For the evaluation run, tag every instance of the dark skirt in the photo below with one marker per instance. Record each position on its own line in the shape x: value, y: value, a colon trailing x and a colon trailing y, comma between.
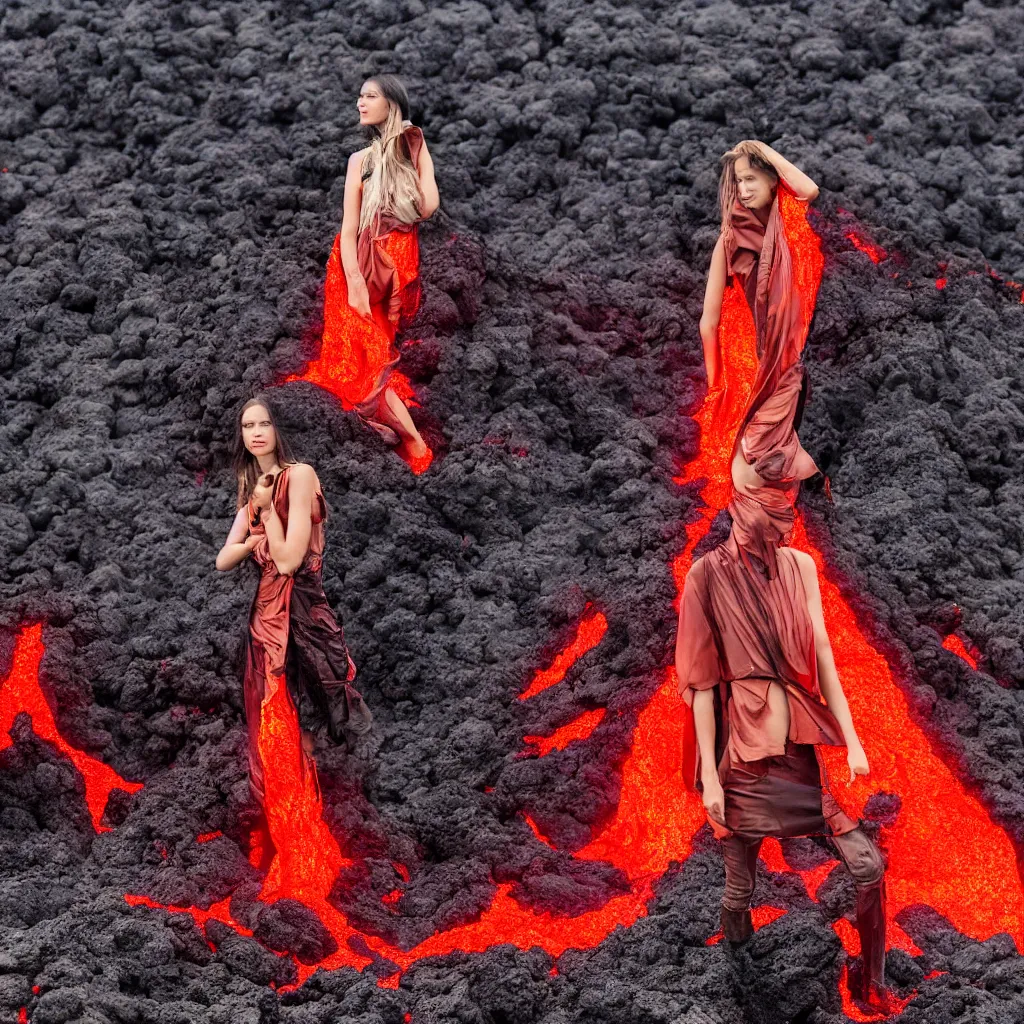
x: 782, y: 796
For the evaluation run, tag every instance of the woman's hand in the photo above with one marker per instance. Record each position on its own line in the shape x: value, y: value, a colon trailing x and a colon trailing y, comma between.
x: 857, y: 760
x: 358, y: 295
x: 714, y: 797
x: 263, y: 492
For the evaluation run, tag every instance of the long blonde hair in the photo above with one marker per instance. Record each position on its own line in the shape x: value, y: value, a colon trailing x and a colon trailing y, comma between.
x: 392, y: 187
x: 728, y: 194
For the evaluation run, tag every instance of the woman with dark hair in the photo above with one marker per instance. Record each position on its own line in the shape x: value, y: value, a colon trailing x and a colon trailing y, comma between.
x: 372, y: 285
x: 294, y: 637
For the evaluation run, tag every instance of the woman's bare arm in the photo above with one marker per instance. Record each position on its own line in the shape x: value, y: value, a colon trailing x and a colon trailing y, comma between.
x: 239, y: 544
x: 714, y: 293
x: 358, y: 296
x: 704, y: 725
x: 802, y: 185
x: 289, y: 550
x: 428, y: 184
x: 828, y: 677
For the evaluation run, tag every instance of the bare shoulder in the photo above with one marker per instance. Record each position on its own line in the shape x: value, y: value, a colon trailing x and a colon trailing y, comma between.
x: 355, y: 161
x: 303, y: 474
x: 804, y: 562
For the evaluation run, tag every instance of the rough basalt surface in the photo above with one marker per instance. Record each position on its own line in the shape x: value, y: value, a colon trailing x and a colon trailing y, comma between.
x: 172, y: 185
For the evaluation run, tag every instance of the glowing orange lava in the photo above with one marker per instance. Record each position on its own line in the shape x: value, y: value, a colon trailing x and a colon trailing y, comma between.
x: 578, y: 729
x: 355, y: 349
x: 589, y: 634
x: 874, y: 252
x: 20, y: 692
x: 956, y: 646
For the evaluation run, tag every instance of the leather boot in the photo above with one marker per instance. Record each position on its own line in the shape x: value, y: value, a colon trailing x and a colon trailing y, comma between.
x: 737, y: 926
x: 871, y: 927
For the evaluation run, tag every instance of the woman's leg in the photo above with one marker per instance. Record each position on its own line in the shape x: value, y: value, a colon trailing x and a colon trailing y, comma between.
x: 864, y: 862
x: 393, y: 412
x: 740, y: 856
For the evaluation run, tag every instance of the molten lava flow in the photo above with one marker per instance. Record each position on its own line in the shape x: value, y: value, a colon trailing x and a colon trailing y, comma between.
x: 944, y: 849
x: 220, y: 911
x: 356, y: 349
x: 20, y: 691
x: 578, y: 729
x: 589, y: 634
x: 955, y: 645
x: 205, y: 837
x: 874, y: 252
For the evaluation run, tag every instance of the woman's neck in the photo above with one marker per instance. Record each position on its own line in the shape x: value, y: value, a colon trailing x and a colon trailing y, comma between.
x: 268, y: 463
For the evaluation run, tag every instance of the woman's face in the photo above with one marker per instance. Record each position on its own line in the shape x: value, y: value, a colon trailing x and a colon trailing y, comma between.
x: 258, y: 431
x: 373, y: 105
x: 756, y: 189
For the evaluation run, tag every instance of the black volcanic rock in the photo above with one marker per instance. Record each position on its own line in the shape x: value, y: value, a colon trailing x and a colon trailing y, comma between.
x: 171, y: 185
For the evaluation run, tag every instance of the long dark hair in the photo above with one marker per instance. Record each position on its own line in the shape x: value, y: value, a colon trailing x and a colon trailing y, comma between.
x: 244, y: 463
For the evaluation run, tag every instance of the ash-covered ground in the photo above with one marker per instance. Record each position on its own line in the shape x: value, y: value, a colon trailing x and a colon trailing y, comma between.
x: 173, y: 184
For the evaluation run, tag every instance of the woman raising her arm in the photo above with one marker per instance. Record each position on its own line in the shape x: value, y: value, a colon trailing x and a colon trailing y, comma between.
x: 748, y: 196
x: 294, y: 637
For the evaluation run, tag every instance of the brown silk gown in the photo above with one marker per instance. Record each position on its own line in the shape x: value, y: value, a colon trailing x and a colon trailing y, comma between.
x: 758, y: 256
x: 294, y: 637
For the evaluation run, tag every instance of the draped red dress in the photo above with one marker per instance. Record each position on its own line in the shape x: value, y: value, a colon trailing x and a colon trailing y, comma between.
x: 744, y: 622
x: 358, y: 355
x: 294, y: 638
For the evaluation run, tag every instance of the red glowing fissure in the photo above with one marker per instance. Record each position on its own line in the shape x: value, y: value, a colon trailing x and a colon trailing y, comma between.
x: 21, y: 692
x: 944, y: 850
x: 578, y: 729
x: 955, y: 645
x: 589, y: 633
x: 860, y: 241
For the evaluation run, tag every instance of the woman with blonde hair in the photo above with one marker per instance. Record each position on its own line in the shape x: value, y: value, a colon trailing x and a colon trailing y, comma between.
x: 372, y: 285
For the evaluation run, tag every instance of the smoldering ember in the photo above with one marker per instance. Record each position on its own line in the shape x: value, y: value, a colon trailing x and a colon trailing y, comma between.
x: 514, y: 840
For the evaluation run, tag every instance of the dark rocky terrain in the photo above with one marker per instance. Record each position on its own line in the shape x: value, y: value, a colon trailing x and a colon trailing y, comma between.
x: 172, y: 185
